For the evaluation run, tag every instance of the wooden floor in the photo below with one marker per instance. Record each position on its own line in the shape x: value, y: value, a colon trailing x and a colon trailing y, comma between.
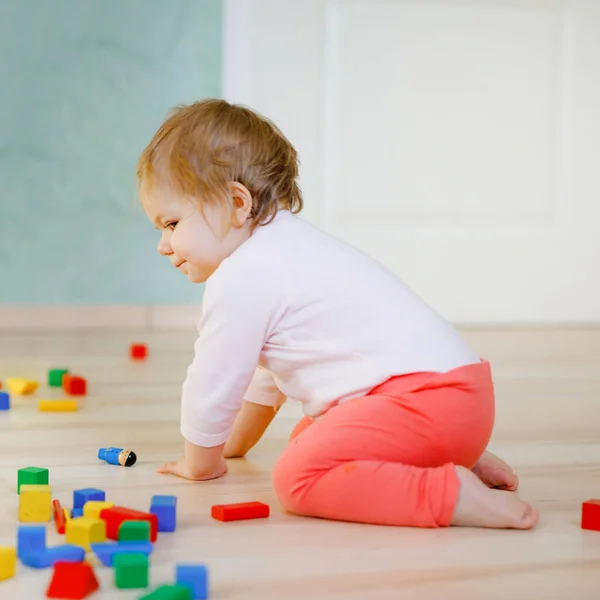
x: 548, y: 427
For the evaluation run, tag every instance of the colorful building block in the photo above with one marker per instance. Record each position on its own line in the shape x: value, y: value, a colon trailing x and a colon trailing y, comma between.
x: 82, y: 531
x: 107, y: 550
x: 134, y: 531
x: 195, y: 577
x: 59, y: 517
x: 35, y: 503
x: 138, y: 351
x: 169, y: 592
x: 8, y: 562
x: 77, y: 512
x: 4, y: 401
x: 74, y: 385
x: 72, y: 580
x: 68, y: 517
x: 30, y: 538
x: 590, y: 515
x: 55, y: 377
x: 131, y: 570
x: 32, y: 476
x: 41, y: 559
x: 21, y: 387
x: 93, y: 508
x: 240, y: 511
x: 116, y: 515
x: 57, y: 405
x: 165, y: 509
x: 80, y: 497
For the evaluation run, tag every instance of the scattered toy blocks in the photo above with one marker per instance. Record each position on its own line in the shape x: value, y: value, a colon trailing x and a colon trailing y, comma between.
x: 21, y: 387
x: 170, y: 592
x: 59, y: 517
x: 93, y: 508
x: 35, y: 503
x: 74, y: 385
x: 590, y: 515
x: 72, y: 580
x: 41, y: 559
x: 8, y: 562
x: 32, y: 476
x: 138, y: 351
x: 57, y: 405
x: 131, y: 570
x: 4, y: 401
x: 106, y: 551
x: 240, y: 511
x: 30, y: 538
x: 80, y: 497
x: 134, y: 531
x: 165, y: 509
x: 116, y: 515
x: 82, y: 531
x: 55, y: 377
x: 195, y: 577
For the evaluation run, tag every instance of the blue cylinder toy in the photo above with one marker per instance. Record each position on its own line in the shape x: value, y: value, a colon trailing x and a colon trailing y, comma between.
x: 117, y: 456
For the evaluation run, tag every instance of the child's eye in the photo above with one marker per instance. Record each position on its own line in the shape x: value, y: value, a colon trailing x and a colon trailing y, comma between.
x: 171, y: 225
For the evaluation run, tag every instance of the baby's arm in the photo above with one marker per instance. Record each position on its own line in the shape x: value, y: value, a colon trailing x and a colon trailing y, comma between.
x: 250, y: 424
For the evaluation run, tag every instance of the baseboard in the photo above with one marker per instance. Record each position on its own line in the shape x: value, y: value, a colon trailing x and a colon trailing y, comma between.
x: 98, y: 317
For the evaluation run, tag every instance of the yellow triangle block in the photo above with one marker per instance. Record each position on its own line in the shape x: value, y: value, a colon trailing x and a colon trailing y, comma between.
x: 20, y: 386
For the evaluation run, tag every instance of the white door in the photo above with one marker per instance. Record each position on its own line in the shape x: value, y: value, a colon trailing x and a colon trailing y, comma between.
x: 456, y: 141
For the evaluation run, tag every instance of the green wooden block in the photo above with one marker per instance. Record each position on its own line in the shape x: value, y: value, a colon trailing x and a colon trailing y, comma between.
x: 134, y: 531
x: 31, y: 476
x: 131, y: 570
x: 169, y: 592
x: 55, y: 377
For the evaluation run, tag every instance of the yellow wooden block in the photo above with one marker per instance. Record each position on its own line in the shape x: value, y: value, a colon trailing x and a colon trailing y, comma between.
x: 8, y: 562
x: 21, y: 387
x: 35, y: 503
x: 92, y: 508
x: 68, y: 517
x: 57, y: 405
x: 84, y: 531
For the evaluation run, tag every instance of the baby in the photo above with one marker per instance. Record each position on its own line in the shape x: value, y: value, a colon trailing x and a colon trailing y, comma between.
x: 398, y: 409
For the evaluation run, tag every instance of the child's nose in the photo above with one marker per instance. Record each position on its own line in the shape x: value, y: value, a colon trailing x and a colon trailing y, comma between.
x: 164, y: 247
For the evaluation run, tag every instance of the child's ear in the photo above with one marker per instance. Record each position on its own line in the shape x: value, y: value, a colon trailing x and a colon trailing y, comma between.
x: 242, y: 203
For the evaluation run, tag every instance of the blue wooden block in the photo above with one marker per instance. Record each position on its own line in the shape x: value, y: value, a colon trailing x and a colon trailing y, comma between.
x: 77, y: 512
x: 41, y: 559
x: 195, y: 577
x: 165, y: 509
x: 30, y: 538
x: 105, y: 551
x: 80, y: 497
x: 4, y: 401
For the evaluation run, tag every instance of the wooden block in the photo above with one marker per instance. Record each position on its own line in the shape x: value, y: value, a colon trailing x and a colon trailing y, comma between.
x: 116, y: 515
x: 21, y: 387
x: 84, y: 532
x: 72, y: 580
x: 32, y: 476
x: 8, y: 562
x: 57, y: 405
x: 59, y: 517
x: 138, y: 351
x: 55, y: 377
x: 35, y: 503
x: 590, y: 515
x: 93, y: 508
x: 74, y: 385
x: 240, y: 512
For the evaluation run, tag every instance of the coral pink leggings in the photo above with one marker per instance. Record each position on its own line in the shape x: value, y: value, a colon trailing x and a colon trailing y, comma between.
x: 388, y: 458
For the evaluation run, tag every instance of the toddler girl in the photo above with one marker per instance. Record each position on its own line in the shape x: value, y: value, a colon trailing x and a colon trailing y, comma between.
x: 399, y: 409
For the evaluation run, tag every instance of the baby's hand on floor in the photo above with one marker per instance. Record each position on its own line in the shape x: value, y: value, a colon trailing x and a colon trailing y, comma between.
x: 495, y: 473
x: 197, y: 464
x: 181, y: 469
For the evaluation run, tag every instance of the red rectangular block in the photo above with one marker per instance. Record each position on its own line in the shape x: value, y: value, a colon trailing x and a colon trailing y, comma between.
x: 590, y: 515
x: 240, y: 512
x: 117, y: 514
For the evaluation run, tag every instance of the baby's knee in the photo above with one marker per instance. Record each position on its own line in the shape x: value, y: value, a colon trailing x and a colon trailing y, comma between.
x: 288, y: 486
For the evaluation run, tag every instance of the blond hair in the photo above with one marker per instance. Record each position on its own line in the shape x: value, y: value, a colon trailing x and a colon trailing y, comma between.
x: 203, y: 146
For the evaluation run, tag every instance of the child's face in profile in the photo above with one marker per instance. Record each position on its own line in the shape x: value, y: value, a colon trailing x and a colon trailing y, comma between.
x: 196, y: 241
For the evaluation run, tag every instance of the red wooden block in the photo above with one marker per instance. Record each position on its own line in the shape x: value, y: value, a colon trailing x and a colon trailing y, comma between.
x: 59, y: 516
x: 240, y: 512
x: 138, y: 351
x: 72, y: 580
x: 590, y: 515
x: 117, y: 514
x: 73, y: 385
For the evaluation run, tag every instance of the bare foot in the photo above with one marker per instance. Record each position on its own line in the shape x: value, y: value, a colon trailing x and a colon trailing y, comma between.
x: 480, y: 506
x: 495, y: 473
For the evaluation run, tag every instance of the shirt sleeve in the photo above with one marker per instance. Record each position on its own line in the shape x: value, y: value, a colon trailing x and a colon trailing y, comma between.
x: 264, y: 390
x: 240, y: 308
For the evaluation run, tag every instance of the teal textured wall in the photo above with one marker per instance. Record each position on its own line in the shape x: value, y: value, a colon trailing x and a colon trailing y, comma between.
x: 85, y: 83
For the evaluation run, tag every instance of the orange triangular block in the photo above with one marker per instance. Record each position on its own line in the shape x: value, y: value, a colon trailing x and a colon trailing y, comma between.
x: 72, y: 581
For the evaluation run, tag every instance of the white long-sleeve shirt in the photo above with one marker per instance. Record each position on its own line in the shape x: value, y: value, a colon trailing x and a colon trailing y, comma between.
x: 295, y: 312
